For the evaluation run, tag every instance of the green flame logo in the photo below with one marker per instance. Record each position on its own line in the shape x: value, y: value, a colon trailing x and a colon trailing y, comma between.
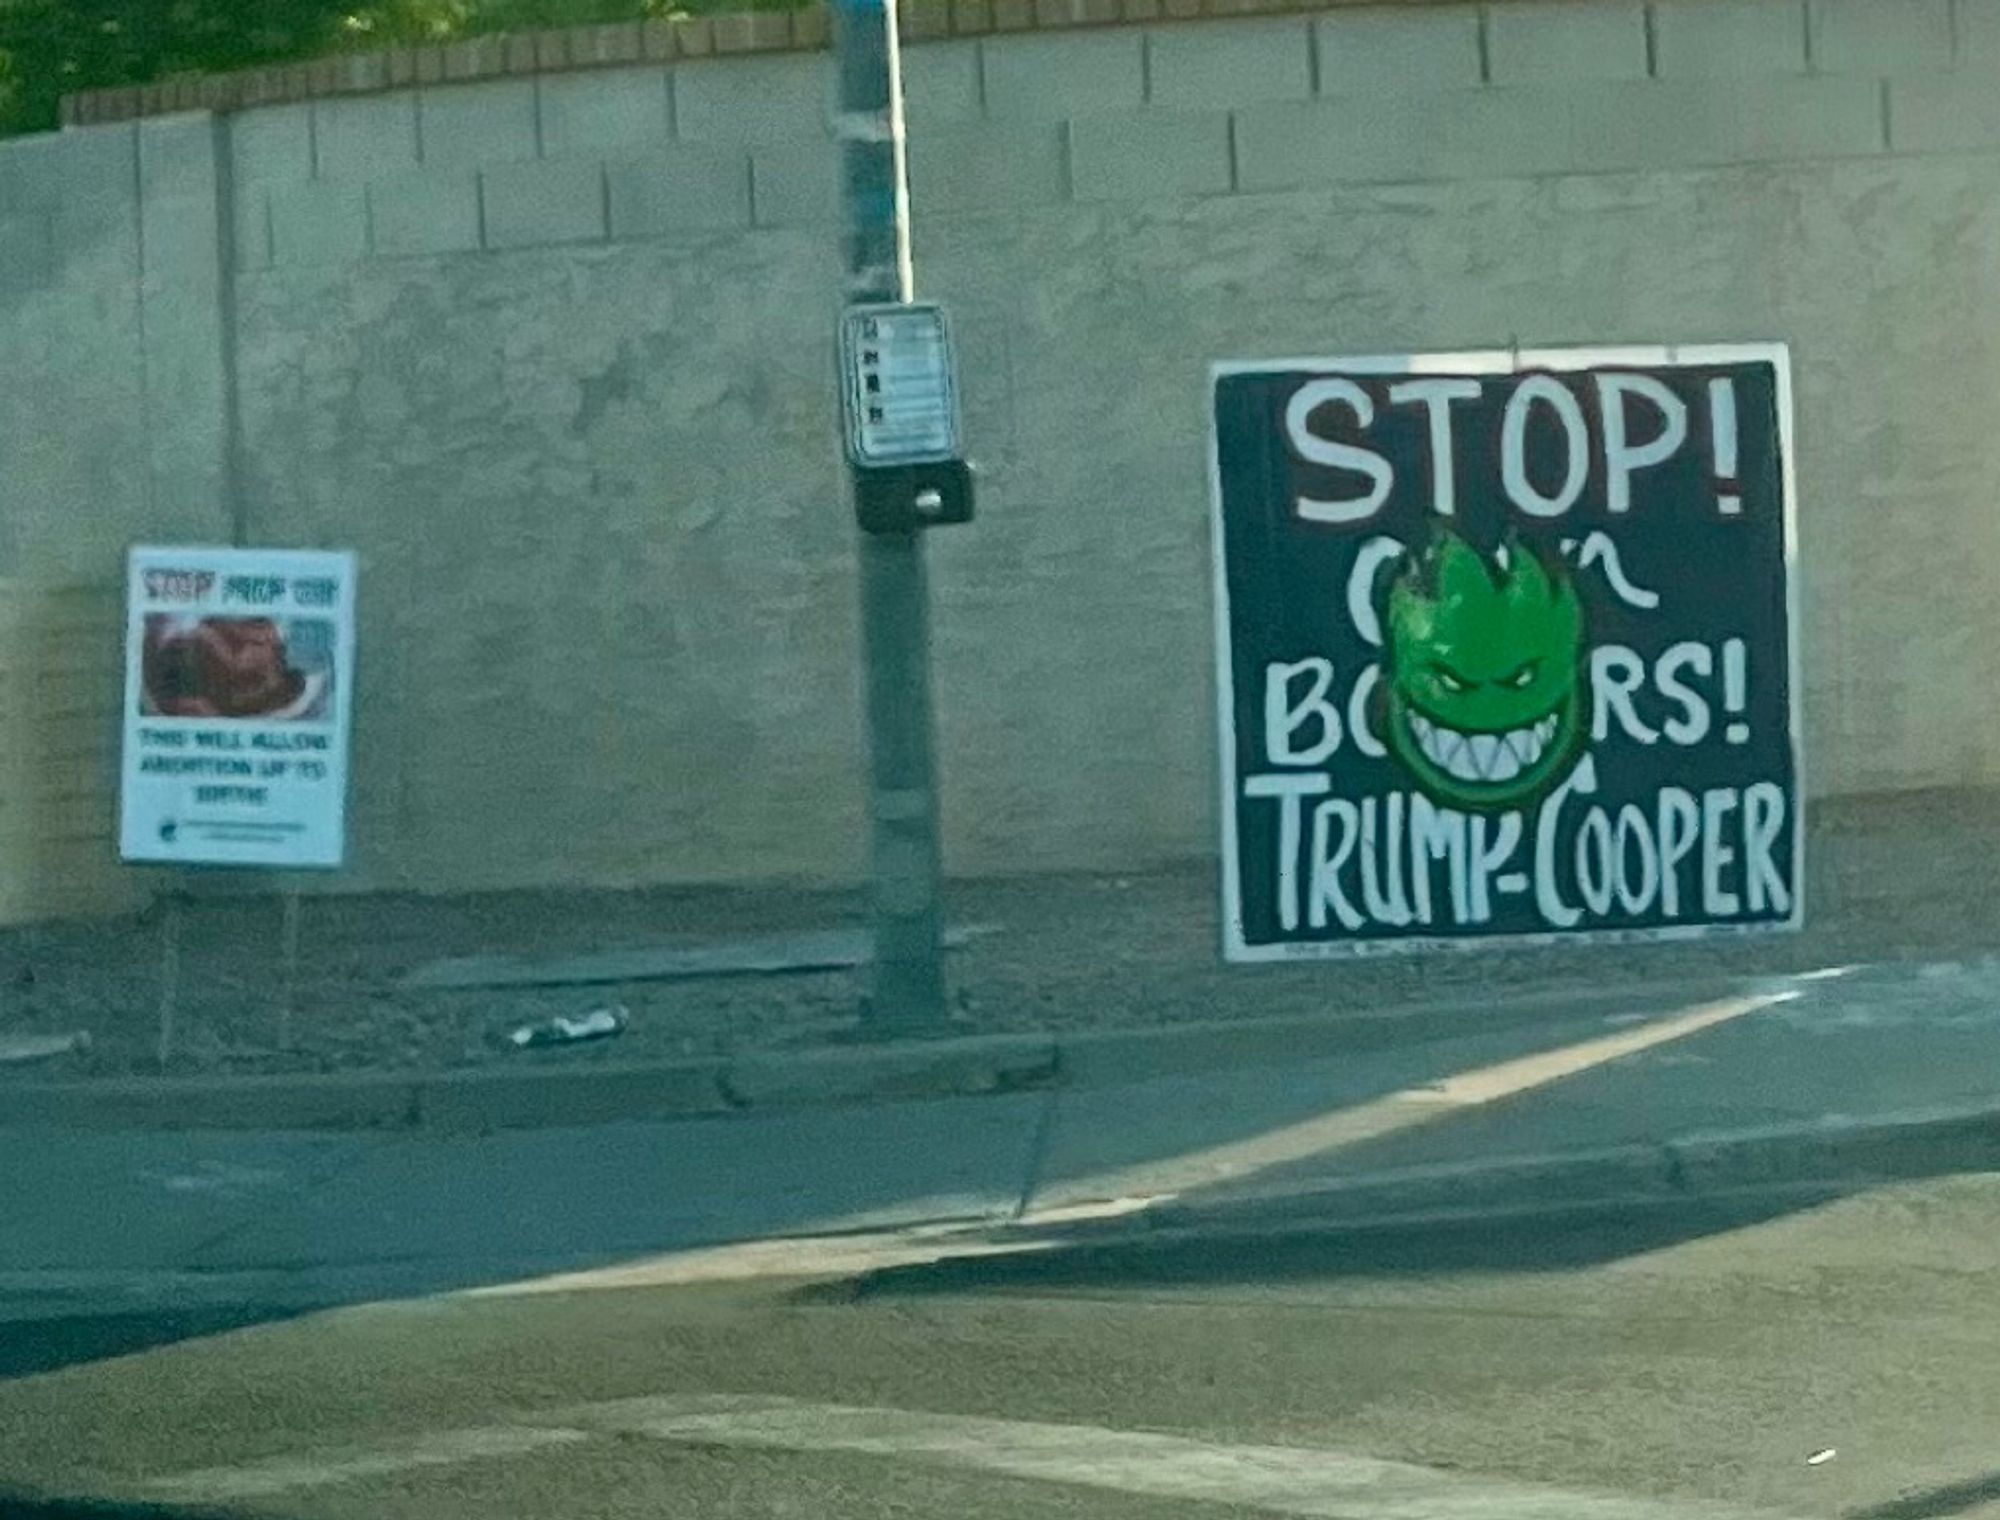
x: 1486, y: 683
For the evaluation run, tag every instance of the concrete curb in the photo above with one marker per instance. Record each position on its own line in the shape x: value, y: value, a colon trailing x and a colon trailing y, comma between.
x: 1830, y: 1153
x: 536, y: 1094
x: 538, y: 1097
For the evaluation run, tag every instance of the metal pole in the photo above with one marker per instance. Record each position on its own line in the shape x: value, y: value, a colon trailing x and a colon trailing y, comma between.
x: 288, y: 989
x: 170, y: 975
x: 908, y: 989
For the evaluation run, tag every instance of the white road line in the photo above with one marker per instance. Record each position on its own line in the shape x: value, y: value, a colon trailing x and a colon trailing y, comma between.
x: 279, y: 1475
x: 1282, y: 1480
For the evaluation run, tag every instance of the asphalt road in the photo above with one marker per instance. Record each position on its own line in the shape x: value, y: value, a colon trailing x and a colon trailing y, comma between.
x: 1639, y: 1367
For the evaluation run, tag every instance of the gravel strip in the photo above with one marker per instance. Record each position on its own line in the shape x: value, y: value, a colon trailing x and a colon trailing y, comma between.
x: 1908, y: 877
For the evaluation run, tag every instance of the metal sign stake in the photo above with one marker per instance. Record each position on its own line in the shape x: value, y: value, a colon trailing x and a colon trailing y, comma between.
x: 170, y: 974
x: 289, y: 977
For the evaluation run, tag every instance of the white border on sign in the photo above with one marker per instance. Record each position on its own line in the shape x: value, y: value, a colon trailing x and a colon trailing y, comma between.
x: 1499, y: 362
x: 346, y: 564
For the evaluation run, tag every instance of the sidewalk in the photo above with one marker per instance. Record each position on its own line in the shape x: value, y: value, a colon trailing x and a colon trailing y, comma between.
x: 1820, y: 1085
x: 100, y: 1222
x: 1911, y: 877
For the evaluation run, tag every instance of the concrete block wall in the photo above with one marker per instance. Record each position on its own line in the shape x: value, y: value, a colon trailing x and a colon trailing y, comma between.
x: 115, y: 426
x: 185, y: 230
x: 551, y: 348
x: 112, y: 315
x: 71, y: 422
x: 60, y: 675
x: 521, y: 163
x: 1359, y: 95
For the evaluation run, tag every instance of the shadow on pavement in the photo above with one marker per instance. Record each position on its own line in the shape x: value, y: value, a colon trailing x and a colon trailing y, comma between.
x: 1882, y: 1043
x: 1544, y: 1243
x: 1937, y: 1503
x: 46, y: 1345
x: 28, y: 1507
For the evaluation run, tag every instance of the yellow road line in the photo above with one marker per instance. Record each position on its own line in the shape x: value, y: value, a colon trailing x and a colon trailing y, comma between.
x: 1324, y: 1134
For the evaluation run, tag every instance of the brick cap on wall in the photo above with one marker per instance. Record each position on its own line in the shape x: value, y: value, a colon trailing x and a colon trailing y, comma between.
x: 625, y: 42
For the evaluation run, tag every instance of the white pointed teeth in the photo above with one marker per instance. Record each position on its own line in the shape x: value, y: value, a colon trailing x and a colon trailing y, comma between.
x: 1487, y: 757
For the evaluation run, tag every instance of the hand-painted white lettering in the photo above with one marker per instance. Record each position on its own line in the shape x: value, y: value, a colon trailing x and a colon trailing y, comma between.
x: 1692, y: 726
x: 1624, y: 458
x: 1717, y: 901
x: 1382, y: 867
x: 1290, y: 789
x: 1560, y: 400
x: 1601, y: 549
x: 1595, y: 870
x: 1436, y: 834
x: 1360, y: 727
x: 1556, y: 913
x: 1487, y: 862
x: 1285, y: 716
x: 1722, y: 438
x: 1634, y: 844
x: 1361, y: 586
x: 1616, y: 673
x: 1436, y: 393
x: 1315, y: 449
x: 1679, y: 829
x: 1735, y: 688
x: 1763, y: 821
x: 1326, y: 888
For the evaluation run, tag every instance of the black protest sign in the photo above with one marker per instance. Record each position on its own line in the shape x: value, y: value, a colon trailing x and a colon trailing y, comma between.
x: 1506, y: 648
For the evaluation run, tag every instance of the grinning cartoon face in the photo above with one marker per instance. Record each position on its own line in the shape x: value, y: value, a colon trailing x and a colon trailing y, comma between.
x: 1486, y: 695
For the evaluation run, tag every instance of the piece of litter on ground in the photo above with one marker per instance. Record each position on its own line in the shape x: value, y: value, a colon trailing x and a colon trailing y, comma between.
x: 18, y: 1048
x: 598, y: 1024
x: 1821, y: 1457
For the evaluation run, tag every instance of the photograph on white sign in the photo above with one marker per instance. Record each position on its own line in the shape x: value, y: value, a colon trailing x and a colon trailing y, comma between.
x: 238, y: 693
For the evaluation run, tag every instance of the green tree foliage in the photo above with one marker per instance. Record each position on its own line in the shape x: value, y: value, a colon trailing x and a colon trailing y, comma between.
x: 51, y: 48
